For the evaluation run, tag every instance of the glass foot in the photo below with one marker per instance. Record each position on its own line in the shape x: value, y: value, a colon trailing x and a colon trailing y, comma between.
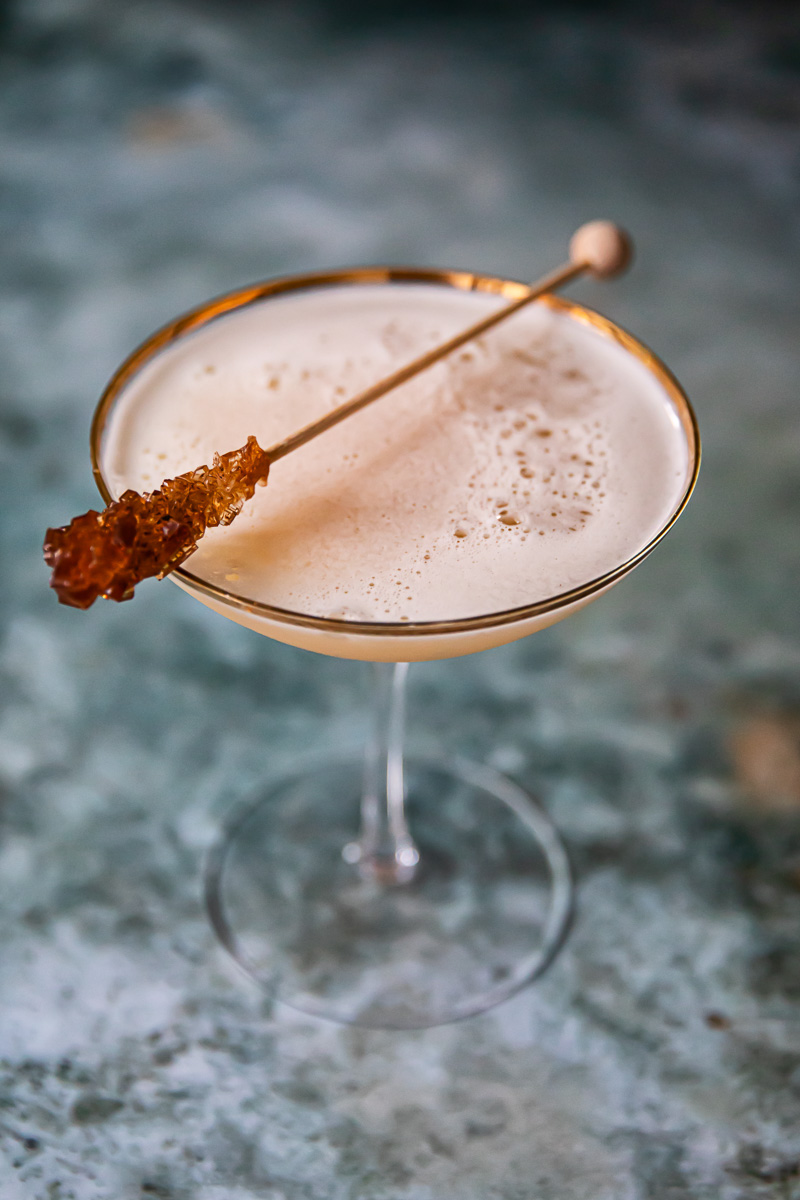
x: 483, y: 913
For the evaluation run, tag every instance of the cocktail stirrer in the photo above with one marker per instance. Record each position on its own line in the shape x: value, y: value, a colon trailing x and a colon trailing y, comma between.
x: 599, y: 247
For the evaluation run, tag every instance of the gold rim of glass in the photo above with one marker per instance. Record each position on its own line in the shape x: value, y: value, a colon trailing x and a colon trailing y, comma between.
x: 507, y: 289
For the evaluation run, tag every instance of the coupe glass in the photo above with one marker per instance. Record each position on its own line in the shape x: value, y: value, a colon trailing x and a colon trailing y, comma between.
x: 376, y: 889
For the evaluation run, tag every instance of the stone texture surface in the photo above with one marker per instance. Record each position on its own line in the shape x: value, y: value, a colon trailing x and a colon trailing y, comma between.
x: 153, y: 154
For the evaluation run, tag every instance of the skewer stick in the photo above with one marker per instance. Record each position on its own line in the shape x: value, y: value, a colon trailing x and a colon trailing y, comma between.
x: 600, y: 247
x: 108, y: 553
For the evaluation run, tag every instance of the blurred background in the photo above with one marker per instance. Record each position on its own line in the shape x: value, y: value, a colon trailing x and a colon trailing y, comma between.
x: 156, y: 152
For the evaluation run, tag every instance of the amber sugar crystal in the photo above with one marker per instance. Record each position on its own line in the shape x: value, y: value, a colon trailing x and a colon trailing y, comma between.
x: 107, y: 553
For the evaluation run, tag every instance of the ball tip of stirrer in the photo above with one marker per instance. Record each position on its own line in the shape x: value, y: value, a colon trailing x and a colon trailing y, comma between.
x: 602, y: 247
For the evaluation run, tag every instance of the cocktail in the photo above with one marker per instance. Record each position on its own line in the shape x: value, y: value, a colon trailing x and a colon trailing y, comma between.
x: 491, y: 495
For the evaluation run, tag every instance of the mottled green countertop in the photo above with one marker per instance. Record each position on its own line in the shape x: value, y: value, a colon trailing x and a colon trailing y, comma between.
x: 153, y: 154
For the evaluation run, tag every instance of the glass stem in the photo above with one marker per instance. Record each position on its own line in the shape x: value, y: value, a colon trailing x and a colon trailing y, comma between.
x: 385, y: 850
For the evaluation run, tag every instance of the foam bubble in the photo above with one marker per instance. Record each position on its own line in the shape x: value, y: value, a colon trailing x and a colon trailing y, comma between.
x: 542, y: 427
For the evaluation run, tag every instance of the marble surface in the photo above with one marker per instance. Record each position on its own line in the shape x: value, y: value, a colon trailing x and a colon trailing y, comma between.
x: 153, y: 154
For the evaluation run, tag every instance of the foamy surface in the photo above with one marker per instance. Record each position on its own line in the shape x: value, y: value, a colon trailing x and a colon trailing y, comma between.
x: 535, y: 459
